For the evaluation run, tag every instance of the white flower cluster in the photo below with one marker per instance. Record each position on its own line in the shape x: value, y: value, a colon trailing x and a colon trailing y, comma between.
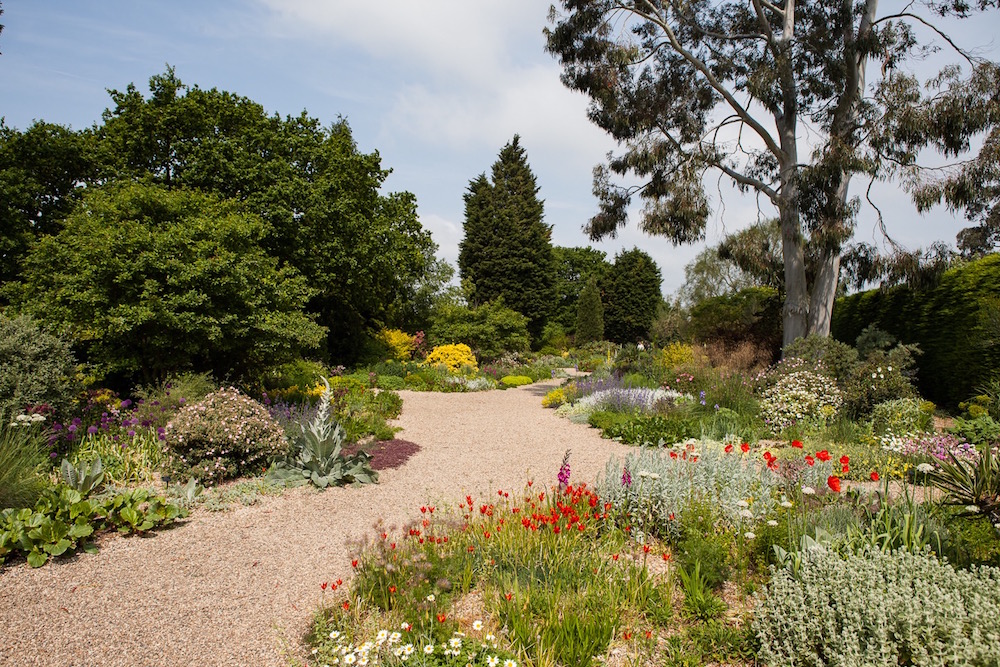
x: 800, y: 397
x: 27, y: 420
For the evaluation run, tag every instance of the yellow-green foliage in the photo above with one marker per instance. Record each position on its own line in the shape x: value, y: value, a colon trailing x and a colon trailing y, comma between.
x: 457, y: 358
x: 515, y: 380
x: 554, y: 398
x: 676, y: 354
x: 400, y: 343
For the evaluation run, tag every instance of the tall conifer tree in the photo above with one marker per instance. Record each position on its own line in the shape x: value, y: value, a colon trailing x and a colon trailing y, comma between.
x: 632, y: 294
x: 507, y: 249
x: 590, y: 314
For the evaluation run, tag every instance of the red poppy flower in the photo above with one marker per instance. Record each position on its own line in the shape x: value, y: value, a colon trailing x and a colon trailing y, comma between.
x: 441, y: 617
x: 729, y: 448
x: 845, y: 459
x: 797, y: 444
x: 354, y: 563
x: 874, y: 476
x: 823, y: 455
x: 509, y: 596
x: 666, y: 557
x: 392, y: 589
x: 810, y: 460
x: 745, y: 447
x: 645, y: 548
x: 834, y: 483
x: 346, y: 605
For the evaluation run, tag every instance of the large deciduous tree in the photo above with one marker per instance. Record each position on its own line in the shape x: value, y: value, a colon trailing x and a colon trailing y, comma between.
x: 362, y: 251
x: 631, y: 297
x: 780, y: 98
x: 507, y: 251
x: 149, y: 281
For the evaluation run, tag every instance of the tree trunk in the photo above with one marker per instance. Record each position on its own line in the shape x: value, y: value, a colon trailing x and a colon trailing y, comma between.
x: 824, y: 293
x: 796, y: 310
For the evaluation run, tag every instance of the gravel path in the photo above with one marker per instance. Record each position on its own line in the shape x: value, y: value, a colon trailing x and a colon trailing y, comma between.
x: 239, y: 587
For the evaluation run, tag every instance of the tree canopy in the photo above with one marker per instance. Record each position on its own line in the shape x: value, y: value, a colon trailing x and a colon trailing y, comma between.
x: 317, y: 198
x: 507, y: 251
x: 574, y: 268
x: 150, y: 280
x: 631, y: 297
x: 775, y: 97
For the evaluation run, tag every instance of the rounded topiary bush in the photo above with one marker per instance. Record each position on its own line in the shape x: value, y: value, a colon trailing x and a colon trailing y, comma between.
x: 225, y: 435
x: 36, y: 367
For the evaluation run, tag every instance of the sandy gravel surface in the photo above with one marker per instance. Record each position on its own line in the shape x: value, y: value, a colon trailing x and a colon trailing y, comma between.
x: 238, y: 587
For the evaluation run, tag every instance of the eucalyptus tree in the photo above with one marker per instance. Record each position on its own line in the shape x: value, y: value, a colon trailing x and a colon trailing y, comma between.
x: 786, y: 99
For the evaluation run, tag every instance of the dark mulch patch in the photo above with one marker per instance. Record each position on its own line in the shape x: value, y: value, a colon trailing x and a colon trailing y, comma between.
x: 388, y: 454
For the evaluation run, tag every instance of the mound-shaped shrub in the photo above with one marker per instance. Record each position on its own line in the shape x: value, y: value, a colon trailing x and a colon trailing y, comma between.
x: 879, y: 609
x: 515, y: 380
x: 801, y: 398
x: 455, y: 357
x: 223, y: 436
x: 36, y: 367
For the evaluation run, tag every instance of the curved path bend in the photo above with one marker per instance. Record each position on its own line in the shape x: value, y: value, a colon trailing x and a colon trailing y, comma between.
x: 239, y: 587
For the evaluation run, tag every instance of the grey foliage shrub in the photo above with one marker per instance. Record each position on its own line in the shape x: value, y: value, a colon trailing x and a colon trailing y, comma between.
x: 223, y: 436
x: 36, y: 366
x: 903, y: 415
x: 839, y: 359
x: 879, y: 609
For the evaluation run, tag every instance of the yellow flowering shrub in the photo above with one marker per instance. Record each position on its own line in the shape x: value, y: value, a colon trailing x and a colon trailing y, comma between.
x: 676, y: 354
x: 554, y: 398
x: 455, y: 357
x: 515, y: 380
x: 400, y: 343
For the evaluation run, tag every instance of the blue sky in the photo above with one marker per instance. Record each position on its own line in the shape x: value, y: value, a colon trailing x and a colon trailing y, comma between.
x: 436, y: 87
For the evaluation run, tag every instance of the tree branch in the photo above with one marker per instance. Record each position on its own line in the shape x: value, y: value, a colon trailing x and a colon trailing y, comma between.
x: 707, y: 73
x: 940, y: 33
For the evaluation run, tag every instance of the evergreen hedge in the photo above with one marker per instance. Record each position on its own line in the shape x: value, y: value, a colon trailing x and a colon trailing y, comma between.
x: 956, y: 324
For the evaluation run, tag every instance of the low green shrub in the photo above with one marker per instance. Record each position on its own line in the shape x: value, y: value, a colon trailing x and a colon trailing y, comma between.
x: 63, y: 520
x: 979, y: 431
x: 390, y: 382
x: 882, y: 376
x: 903, y: 415
x: 838, y: 359
x: 37, y: 368
x: 702, y: 546
x: 515, y: 380
x: 608, y: 421
x: 652, y: 430
x: 127, y: 460
x: 878, y: 609
x: 223, y: 436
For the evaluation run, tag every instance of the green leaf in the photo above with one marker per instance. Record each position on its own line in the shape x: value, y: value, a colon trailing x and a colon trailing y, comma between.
x: 37, y: 558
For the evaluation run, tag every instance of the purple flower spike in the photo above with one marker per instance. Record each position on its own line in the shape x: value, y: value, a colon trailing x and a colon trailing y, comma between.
x: 564, y: 471
x: 626, y: 477
x: 91, y: 430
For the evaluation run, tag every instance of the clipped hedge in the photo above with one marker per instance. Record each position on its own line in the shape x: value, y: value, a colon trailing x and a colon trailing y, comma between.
x: 515, y: 380
x: 956, y: 324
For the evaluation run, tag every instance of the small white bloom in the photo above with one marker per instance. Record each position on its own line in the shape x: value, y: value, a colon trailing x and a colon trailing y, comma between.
x: 772, y: 523
x: 749, y: 535
x: 408, y: 649
x: 925, y: 468
x: 972, y: 508
x: 654, y: 476
x: 492, y: 661
x: 382, y: 636
x: 429, y: 649
x: 786, y: 504
x: 349, y: 659
x: 430, y: 598
x: 394, y: 637
x: 334, y: 634
x: 477, y: 625
x: 808, y: 491
x: 455, y: 642
x: 746, y: 514
x: 742, y: 503
x: 490, y: 637
x: 509, y: 663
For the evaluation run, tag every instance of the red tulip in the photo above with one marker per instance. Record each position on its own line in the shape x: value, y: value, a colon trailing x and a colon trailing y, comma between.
x: 797, y: 444
x: 844, y: 460
x: 729, y: 448
x: 441, y: 618
x: 745, y: 447
x: 810, y: 460
x: 823, y: 456
x: 874, y: 476
x: 834, y: 483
